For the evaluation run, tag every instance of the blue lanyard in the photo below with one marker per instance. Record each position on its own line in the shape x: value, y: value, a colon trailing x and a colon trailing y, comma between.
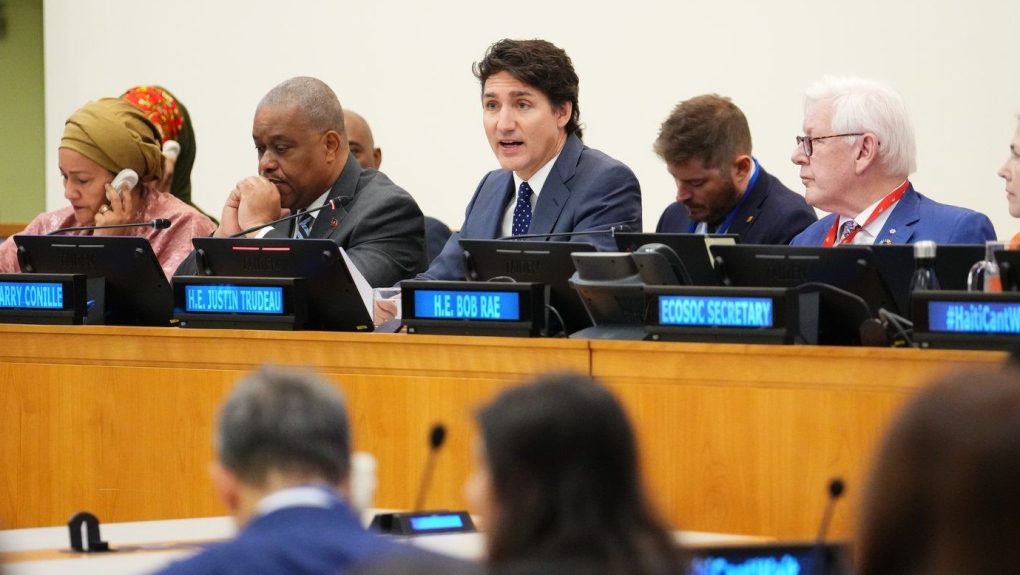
x: 733, y: 213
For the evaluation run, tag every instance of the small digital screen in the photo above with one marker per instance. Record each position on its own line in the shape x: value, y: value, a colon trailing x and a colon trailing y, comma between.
x: 682, y: 310
x: 31, y: 295
x: 233, y: 299
x: 487, y: 305
x: 434, y: 522
x: 784, y: 564
x: 974, y: 317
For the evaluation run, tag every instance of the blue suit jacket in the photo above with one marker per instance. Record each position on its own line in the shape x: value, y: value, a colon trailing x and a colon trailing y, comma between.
x: 586, y: 190
x: 915, y: 218
x: 770, y: 214
x: 292, y: 540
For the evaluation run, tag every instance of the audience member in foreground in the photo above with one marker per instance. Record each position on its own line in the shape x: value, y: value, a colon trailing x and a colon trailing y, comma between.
x: 359, y: 136
x: 100, y: 139
x: 304, y: 161
x: 855, y: 156
x: 284, y: 452
x: 720, y: 188
x: 942, y: 496
x: 558, y: 488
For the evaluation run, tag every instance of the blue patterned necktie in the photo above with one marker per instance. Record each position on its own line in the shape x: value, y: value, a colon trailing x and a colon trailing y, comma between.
x: 522, y: 210
x: 846, y: 229
x: 303, y: 229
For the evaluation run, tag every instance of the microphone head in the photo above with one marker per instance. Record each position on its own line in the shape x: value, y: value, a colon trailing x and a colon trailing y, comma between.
x: 437, y: 436
x: 836, y: 487
x: 161, y: 223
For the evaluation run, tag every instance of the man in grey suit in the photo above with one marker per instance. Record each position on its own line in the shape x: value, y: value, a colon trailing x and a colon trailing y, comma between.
x: 550, y: 182
x: 304, y: 163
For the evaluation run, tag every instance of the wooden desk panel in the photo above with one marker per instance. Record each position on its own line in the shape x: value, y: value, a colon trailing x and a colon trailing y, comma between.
x: 119, y: 421
x: 735, y: 438
x: 744, y: 438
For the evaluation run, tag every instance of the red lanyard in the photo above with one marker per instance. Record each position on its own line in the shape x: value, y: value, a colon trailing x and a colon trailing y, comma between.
x: 888, y: 201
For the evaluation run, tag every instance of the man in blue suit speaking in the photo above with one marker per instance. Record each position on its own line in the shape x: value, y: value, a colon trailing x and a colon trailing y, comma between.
x: 550, y: 182
x: 284, y: 457
x: 855, y: 156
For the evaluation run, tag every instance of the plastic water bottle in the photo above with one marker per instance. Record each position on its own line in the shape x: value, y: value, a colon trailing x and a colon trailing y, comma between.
x: 924, y: 277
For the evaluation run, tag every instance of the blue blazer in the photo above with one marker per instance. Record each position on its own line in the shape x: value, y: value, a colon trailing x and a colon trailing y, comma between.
x: 770, y: 214
x: 916, y: 218
x: 586, y: 190
x: 292, y: 540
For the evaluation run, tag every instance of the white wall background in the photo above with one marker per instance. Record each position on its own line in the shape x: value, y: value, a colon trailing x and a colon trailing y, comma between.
x: 406, y: 66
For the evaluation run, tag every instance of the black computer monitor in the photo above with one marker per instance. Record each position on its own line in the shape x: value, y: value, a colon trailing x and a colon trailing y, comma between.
x: 841, y: 283
x: 691, y: 248
x: 849, y: 268
x: 334, y: 302
x: 531, y: 261
x: 952, y: 264
x: 804, y: 558
x: 136, y: 289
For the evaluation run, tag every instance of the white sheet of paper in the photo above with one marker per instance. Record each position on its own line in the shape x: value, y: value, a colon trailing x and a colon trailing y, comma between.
x: 364, y: 289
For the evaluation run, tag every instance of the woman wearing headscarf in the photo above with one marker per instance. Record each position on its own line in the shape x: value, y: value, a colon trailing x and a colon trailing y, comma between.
x: 101, y: 139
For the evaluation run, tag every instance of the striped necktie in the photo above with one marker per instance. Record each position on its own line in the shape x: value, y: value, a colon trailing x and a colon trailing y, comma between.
x: 303, y: 228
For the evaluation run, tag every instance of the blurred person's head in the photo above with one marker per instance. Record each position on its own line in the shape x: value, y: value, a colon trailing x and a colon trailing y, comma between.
x: 300, y: 140
x: 858, y: 144
x: 359, y: 137
x: 942, y: 495
x: 100, y: 139
x: 1010, y: 171
x: 557, y: 475
x: 279, y: 429
x: 706, y: 144
x: 529, y: 102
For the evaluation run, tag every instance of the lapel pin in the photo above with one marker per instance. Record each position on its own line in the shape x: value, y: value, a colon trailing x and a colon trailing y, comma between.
x: 749, y: 218
x: 887, y: 242
x: 333, y: 223
x: 892, y: 230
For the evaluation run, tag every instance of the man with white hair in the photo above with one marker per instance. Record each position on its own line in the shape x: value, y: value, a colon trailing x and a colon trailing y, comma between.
x: 855, y: 156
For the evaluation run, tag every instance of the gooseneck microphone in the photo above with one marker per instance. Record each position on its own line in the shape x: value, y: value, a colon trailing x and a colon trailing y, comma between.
x: 436, y: 438
x: 612, y: 230
x: 158, y: 223
x: 332, y: 203
x: 836, y: 488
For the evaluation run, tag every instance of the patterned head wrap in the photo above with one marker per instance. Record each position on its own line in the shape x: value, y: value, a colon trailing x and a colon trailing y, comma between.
x: 160, y: 107
x: 174, y: 123
x: 116, y: 135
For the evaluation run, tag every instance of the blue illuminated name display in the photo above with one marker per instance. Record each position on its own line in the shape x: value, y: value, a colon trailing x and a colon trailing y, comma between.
x: 19, y: 295
x: 445, y: 304
x: 785, y: 565
x: 434, y: 522
x: 715, y: 311
x: 233, y: 299
x: 973, y: 317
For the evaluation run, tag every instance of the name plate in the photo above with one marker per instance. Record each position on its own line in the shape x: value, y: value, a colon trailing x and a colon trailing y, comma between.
x: 423, y: 523
x: 967, y: 320
x: 719, y: 314
x: 474, y: 308
x: 44, y: 298
x: 240, y: 302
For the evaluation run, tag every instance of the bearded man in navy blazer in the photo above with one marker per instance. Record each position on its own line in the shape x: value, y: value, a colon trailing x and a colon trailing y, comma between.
x: 720, y: 188
x: 284, y: 461
x: 855, y: 156
x: 550, y: 182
